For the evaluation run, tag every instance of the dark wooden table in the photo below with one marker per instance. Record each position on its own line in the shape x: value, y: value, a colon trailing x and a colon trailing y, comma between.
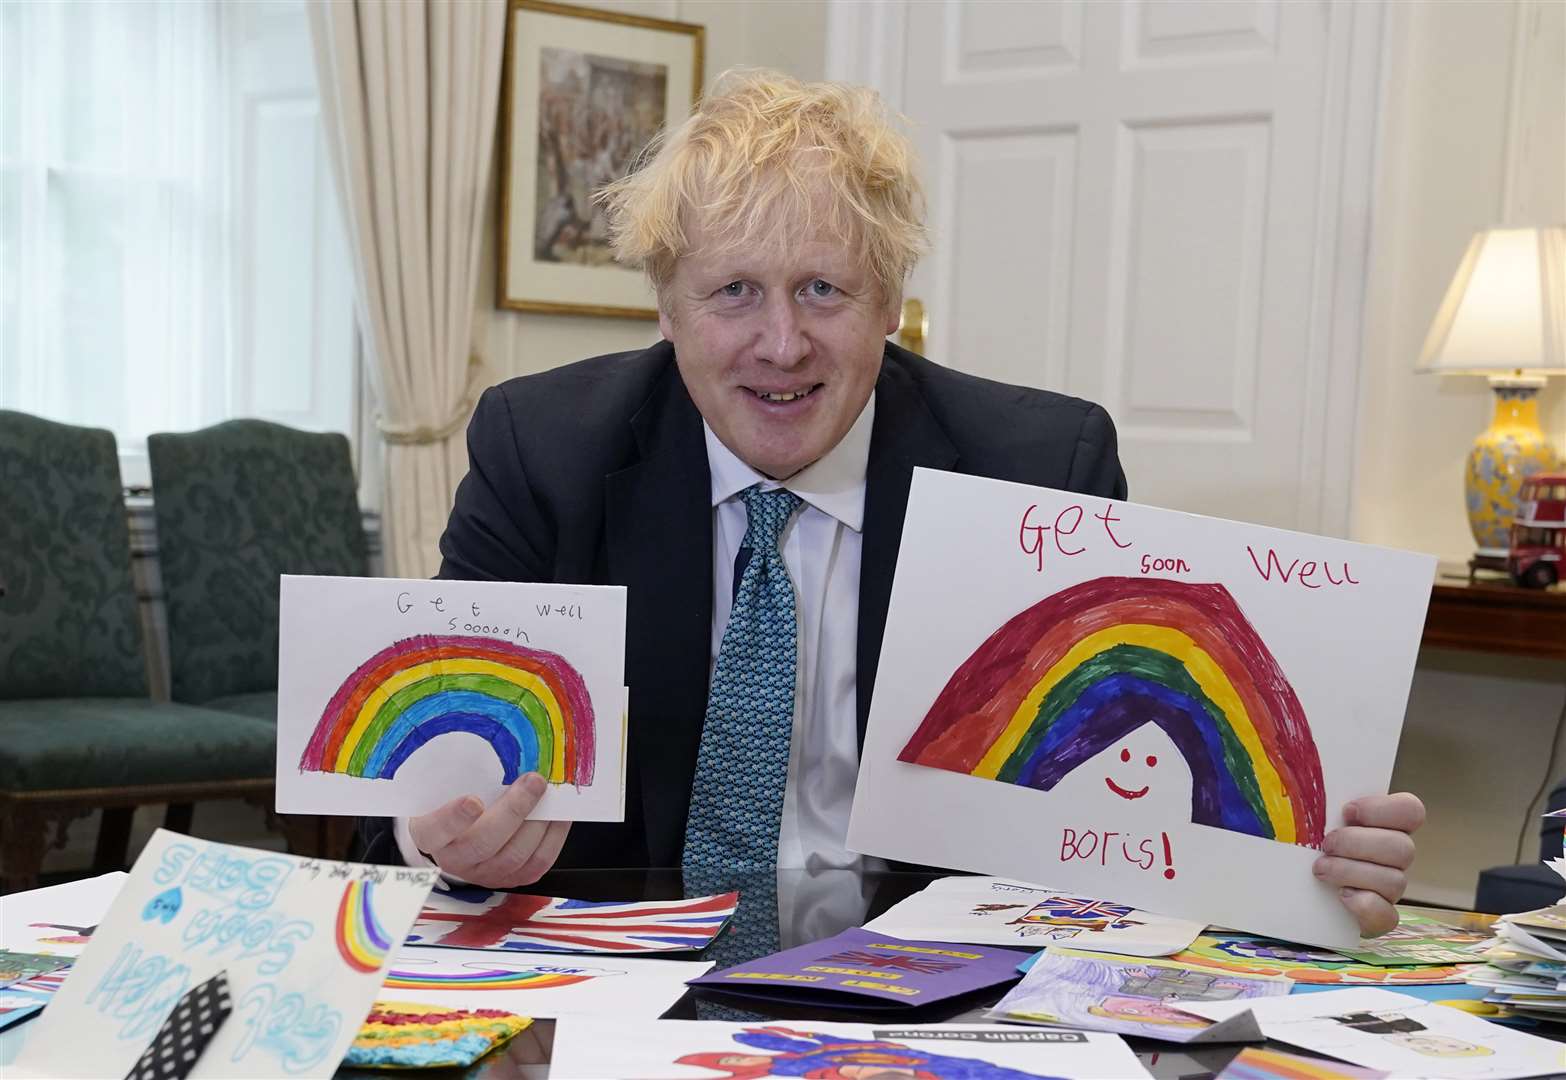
x: 799, y: 907
x: 1495, y: 617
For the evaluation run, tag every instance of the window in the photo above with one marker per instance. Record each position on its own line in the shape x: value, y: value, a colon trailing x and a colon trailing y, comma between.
x: 170, y: 252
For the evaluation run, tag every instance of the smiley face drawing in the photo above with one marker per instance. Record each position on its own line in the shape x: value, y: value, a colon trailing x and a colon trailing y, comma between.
x: 1132, y: 773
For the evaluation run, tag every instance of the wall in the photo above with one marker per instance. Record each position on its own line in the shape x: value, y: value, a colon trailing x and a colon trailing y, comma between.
x: 790, y: 36
x: 1472, y: 136
x: 1461, y: 149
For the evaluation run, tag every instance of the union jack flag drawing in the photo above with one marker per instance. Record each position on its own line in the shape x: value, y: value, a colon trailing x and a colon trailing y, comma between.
x: 473, y: 918
x: 892, y: 961
x: 1075, y: 911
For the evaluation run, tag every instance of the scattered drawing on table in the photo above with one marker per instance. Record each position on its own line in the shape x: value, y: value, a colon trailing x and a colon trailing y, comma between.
x: 1091, y: 915
x: 782, y: 1051
x: 400, y: 1034
x: 474, y: 918
x: 1247, y: 955
x: 1130, y: 996
x: 432, y: 975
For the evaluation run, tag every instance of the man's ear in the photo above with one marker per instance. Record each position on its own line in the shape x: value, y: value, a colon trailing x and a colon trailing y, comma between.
x: 894, y: 313
x: 665, y: 321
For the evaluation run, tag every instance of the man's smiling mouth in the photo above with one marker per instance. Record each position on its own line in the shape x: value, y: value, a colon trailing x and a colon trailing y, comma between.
x: 782, y: 396
x: 1122, y: 792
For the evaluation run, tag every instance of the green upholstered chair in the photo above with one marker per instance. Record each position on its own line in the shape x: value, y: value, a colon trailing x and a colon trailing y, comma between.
x: 77, y: 728
x: 237, y: 505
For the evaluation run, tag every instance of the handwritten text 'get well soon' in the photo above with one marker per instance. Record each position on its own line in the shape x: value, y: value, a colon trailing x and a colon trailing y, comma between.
x: 1070, y: 533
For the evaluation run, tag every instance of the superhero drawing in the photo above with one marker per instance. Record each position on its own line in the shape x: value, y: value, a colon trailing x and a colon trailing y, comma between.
x: 781, y: 1051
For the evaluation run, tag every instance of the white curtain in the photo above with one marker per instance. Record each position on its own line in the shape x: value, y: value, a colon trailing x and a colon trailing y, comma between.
x: 113, y: 276
x: 409, y: 93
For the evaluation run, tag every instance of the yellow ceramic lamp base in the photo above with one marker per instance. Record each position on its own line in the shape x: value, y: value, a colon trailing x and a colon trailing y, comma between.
x: 1511, y: 449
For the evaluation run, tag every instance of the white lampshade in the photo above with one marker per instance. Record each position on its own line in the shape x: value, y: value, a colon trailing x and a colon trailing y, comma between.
x: 1506, y: 307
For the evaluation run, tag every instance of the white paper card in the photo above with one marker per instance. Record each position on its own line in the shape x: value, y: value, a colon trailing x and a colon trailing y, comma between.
x: 58, y: 920
x: 1132, y: 703
x: 1396, y: 1033
x: 303, y: 942
x: 539, y: 985
x: 994, y: 911
x: 591, y: 1048
x: 396, y: 696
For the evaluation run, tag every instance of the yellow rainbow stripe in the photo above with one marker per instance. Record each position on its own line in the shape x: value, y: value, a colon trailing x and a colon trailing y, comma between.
x: 1207, y: 674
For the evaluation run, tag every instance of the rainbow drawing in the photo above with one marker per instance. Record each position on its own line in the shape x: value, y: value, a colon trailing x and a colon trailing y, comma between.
x: 530, y: 705
x: 361, y: 941
x: 492, y: 979
x: 1066, y: 678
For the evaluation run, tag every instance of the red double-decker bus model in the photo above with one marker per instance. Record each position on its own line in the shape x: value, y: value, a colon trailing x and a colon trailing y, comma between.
x: 1538, y: 549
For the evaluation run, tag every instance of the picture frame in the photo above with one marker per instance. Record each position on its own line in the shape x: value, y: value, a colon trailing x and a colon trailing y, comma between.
x: 583, y: 92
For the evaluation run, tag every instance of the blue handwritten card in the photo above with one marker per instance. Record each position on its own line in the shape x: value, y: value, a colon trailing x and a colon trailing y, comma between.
x: 304, y: 943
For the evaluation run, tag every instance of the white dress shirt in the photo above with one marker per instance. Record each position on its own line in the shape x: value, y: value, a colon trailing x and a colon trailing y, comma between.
x: 821, y: 548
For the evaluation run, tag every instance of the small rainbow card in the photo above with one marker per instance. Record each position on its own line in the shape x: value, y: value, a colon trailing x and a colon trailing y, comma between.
x: 395, y: 695
x: 1164, y: 710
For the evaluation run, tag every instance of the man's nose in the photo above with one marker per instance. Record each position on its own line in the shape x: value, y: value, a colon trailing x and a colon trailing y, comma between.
x: 783, y: 343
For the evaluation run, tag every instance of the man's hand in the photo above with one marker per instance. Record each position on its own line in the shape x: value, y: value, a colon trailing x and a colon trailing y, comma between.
x: 498, y: 848
x: 1367, y: 857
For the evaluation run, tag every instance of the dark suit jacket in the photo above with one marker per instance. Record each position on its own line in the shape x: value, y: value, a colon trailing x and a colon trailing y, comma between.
x: 596, y: 473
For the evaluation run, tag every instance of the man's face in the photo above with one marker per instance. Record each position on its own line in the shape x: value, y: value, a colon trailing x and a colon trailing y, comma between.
x: 780, y: 350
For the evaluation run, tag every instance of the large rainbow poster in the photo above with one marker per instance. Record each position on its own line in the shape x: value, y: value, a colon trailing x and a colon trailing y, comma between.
x: 396, y: 696
x: 1133, y: 703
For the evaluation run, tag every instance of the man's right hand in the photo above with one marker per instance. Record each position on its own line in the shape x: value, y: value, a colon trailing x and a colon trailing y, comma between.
x: 498, y: 848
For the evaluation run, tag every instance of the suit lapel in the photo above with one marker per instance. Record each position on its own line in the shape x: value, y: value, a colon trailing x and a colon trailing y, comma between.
x: 905, y: 435
x: 658, y: 515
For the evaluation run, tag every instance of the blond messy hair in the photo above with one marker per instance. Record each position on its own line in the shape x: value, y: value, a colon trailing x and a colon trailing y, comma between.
x: 766, y: 159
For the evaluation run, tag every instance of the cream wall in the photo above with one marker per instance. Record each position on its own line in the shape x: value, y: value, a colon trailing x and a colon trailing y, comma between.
x: 1473, y: 134
x: 786, y: 34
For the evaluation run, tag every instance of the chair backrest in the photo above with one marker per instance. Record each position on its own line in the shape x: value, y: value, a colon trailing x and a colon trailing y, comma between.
x: 238, y: 504
x: 69, y: 624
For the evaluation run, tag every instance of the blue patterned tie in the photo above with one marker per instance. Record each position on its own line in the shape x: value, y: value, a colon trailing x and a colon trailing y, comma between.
x: 737, y: 796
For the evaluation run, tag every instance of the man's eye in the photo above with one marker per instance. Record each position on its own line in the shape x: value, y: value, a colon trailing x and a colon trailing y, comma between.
x: 820, y: 287
x: 733, y: 288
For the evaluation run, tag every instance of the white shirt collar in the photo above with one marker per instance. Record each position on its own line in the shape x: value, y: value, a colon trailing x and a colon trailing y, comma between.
x: 834, y: 484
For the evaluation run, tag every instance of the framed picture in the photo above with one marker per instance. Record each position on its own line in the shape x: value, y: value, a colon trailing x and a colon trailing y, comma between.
x: 584, y: 92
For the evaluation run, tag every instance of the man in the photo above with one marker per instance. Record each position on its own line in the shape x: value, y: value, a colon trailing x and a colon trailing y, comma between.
x: 746, y: 478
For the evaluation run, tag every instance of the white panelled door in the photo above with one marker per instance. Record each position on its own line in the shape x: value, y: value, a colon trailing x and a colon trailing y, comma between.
x: 1160, y: 206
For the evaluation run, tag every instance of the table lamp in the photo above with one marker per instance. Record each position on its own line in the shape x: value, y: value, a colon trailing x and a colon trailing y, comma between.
x: 1504, y: 316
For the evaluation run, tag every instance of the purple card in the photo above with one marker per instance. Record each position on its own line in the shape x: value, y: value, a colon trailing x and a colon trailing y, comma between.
x: 861, y: 968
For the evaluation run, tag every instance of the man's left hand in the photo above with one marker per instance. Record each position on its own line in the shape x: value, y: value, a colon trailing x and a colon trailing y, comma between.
x: 1367, y: 858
